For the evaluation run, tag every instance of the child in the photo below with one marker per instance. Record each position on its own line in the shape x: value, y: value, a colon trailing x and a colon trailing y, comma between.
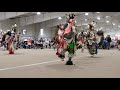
x: 104, y: 44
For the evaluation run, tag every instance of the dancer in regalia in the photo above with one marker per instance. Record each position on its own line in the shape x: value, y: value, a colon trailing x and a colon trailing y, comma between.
x: 66, y: 39
x: 10, y: 39
x: 81, y: 40
x: 91, y: 40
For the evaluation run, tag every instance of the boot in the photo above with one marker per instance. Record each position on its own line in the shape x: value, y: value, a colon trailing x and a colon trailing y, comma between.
x: 57, y: 53
x: 61, y: 56
x: 69, y: 62
x: 11, y: 52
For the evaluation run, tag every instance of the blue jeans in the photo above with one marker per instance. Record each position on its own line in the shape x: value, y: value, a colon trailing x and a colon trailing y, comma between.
x: 96, y: 48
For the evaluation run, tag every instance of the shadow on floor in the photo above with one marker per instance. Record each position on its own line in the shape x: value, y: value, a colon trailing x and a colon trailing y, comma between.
x: 93, y: 57
x: 63, y: 67
x: 14, y: 54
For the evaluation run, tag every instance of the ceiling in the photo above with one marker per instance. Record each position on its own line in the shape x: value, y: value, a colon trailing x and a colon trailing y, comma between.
x: 105, y: 20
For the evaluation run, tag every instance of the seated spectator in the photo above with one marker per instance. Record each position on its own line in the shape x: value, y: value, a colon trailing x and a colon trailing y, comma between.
x: 104, y: 44
x: 41, y: 43
x: 112, y: 44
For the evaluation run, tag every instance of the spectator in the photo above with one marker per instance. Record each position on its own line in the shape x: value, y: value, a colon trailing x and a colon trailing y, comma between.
x: 112, y: 44
x: 46, y: 43
x: 41, y: 43
x: 104, y: 44
x: 101, y: 41
x: 49, y: 44
x: 29, y: 42
x: 109, y: 41
x: 25, y: 43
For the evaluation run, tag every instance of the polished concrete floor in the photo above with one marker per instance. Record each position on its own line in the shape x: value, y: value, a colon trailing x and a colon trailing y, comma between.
x: 37, y: 63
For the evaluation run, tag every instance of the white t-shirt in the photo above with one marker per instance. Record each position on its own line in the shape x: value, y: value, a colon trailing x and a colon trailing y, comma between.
x: 46, y: 42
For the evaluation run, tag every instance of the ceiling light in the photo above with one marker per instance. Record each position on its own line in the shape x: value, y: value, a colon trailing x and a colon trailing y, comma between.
x: 15, y: 25
x: 41, y: 32
x: 24, y: 30
x: 119, y: 26
x: 8, y: 30
x: 97, y: 12
x: 59, y: 18
x: 98, y: 18
x: 113, y: 23
x: 107, y: 16
x: 38, y: 13
x: 107, y: 21
x: 41, y: 29
x: 86, y: 13
x: 85, y: 19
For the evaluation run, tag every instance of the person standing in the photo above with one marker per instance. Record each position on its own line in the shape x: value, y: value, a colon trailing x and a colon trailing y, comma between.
x: 41, y: 43
x: 29, y: 42
x: 109, y: 41
x: 104, y: 44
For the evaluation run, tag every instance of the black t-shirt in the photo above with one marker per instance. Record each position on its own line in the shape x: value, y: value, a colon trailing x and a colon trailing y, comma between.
x: 109, y: 39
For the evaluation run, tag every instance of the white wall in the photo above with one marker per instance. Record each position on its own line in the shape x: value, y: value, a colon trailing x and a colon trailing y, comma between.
x: 53, y: 31
x: 42, y: 17
x: 30, y: 30
x: 112, y: 34
x: 6, y: 24
x: 7, y: 15
x: 46, y: 30
x: 49, y: 26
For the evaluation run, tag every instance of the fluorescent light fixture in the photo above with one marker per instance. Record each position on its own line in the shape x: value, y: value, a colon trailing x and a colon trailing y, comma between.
x: 85, y: 19
x: 107, y: 21
x: 38, y: 13
x: 15, y: 25
x: 59, y: 18
x: 24, y: 31
x: 8, y: 30
x: 86, y: 13
x: 107, y: 16
x: 119, y: 26
x: 41, y: 32
x: 97, y: 12
x: 113, y: 23
x: 98, y: 18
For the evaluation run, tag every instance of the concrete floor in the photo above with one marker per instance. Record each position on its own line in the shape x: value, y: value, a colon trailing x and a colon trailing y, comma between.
x: 32, y: 63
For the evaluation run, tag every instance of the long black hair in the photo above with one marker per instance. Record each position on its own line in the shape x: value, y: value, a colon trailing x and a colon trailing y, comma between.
x: 100, y: 33
x: 4, y: 36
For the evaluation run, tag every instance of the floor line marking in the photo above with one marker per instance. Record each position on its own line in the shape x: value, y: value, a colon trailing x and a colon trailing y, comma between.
x: 22, y: 66
x: 28, y: 65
